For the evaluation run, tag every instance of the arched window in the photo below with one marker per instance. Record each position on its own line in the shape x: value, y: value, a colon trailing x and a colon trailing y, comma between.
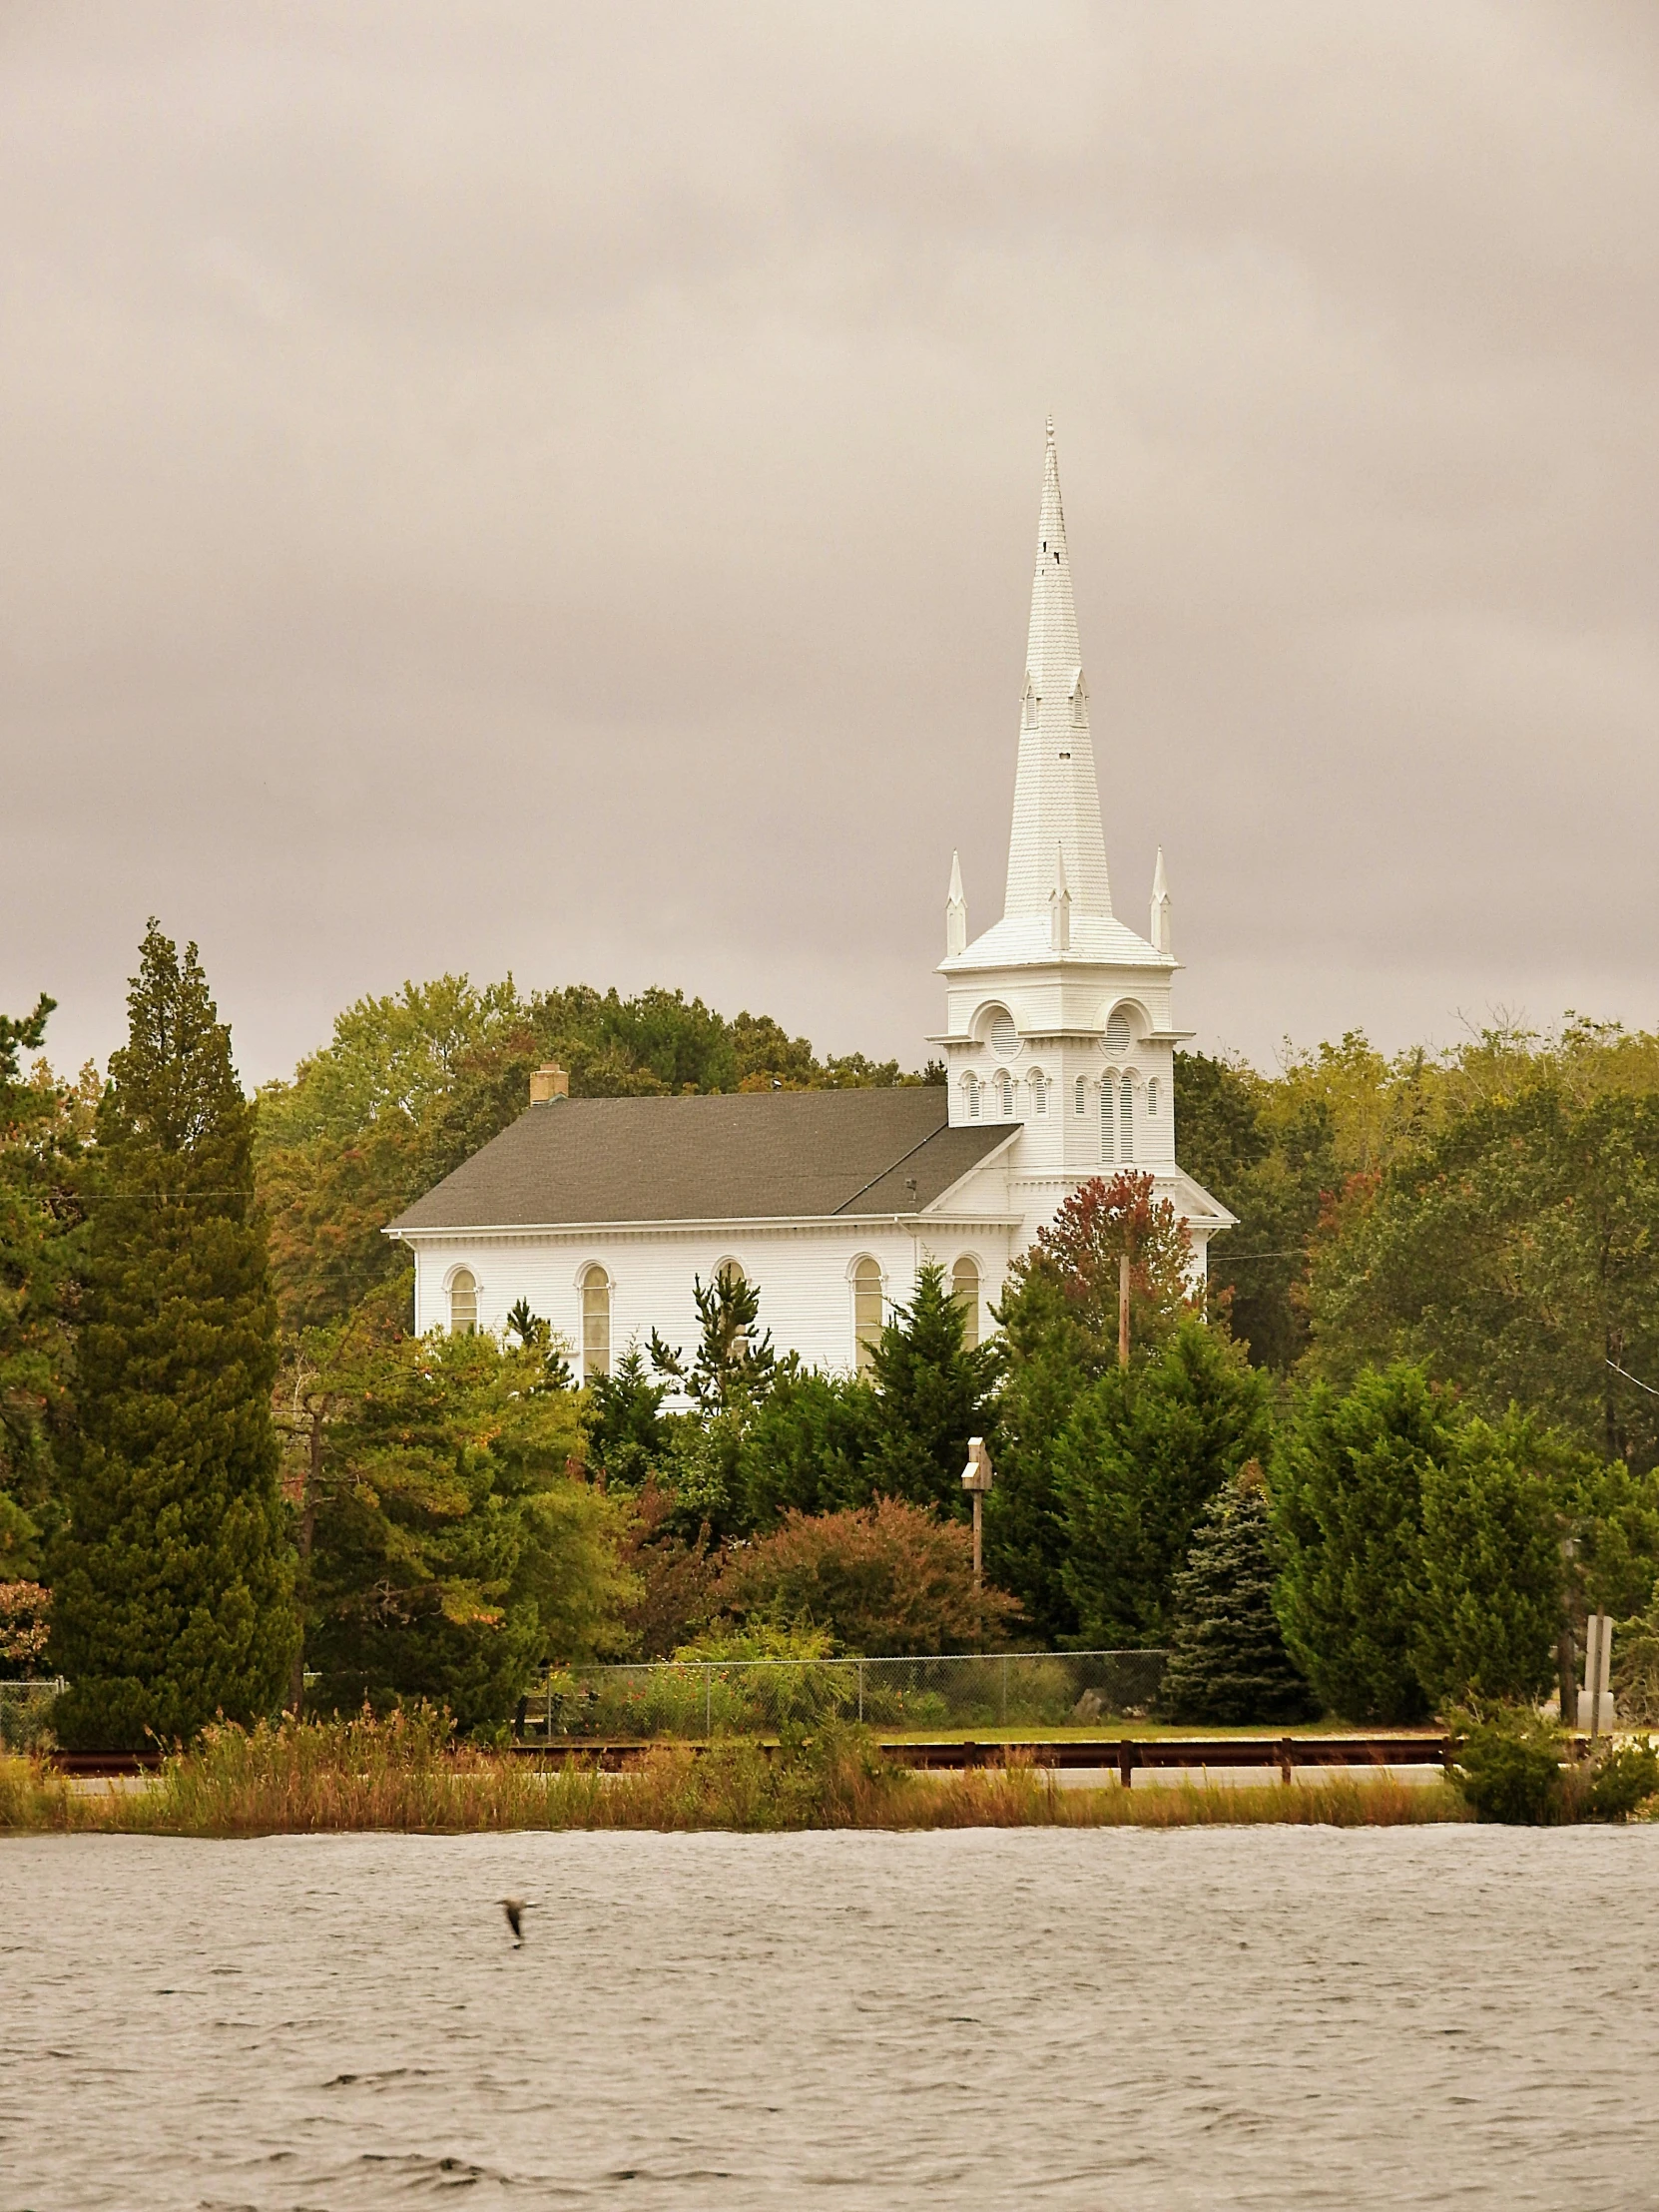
x: 463, y: 1302
x: 1108, y: 1108
x: 1152, y: 1099
x: 970, y: 1087
x: 731, y: 1275
x: 1080, y: 1093
x: 964, y: 1289
x: 1117, y: 1032
x: 1005, y: 1087
x: 1031, y: 704
x: 1126, y: 1120
x: 1080, y: 707
x: 866, y: 1311
x: 596, y: 1323
x: 1039, y: 1092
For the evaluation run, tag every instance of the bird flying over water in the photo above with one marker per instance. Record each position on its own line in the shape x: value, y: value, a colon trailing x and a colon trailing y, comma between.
x: 515, y: 1910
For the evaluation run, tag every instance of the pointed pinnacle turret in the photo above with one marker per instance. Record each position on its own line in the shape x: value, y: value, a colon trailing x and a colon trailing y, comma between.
x: 955, y: 912
x: 1056, y: 798
x: 1060, y: 906
x: 1158, y: 932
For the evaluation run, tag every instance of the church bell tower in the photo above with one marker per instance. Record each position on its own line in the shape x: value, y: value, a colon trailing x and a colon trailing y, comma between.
x: 1058, y: 1017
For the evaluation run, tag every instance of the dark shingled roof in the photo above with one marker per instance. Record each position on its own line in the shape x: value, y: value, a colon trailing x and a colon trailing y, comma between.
x: 760, y: 1156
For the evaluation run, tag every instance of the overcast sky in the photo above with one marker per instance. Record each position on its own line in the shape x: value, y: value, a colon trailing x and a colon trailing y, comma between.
x: 552, y: 488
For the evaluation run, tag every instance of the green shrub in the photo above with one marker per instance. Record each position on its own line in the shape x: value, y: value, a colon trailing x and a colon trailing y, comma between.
x: 1636, y: 1665
x: 1510, y: 1768
x: 1622, y: 1781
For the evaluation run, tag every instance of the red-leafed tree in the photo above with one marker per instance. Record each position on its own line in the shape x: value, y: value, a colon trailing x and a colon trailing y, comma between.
x: 1060, y: 1336
x: 1097, y: 1228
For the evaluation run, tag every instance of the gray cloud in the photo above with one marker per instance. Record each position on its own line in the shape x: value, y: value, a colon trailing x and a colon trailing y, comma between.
x: 553, y: 489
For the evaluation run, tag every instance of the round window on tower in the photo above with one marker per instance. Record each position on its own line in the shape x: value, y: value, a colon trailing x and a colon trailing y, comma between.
x: 1004, y: 1036
x: 1117, y: 1032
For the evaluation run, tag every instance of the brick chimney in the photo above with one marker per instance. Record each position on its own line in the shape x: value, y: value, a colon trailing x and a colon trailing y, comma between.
x: 548, y: 1083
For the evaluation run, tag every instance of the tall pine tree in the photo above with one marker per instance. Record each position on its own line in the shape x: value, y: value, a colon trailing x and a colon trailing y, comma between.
x: 1347, y: 1490
x: 933, y: 1392
x: 173, y: 1583
x: 1228, y: 1664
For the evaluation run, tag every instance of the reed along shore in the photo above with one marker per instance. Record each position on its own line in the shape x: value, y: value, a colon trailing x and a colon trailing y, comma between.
x: 407, y: 1774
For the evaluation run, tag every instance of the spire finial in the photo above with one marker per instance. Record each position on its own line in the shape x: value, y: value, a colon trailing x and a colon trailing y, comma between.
x: 1060, y: 906
x: 1158, y: 929
x: 1052, y: 429
x: 955, y: 912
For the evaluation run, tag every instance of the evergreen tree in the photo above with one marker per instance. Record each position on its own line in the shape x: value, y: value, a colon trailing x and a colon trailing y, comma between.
x: 1228, y: 1663
x: 933, y: 1392
x: 1048, y: 1369
x: 1144, y: 1450
x: 807, y: 1448
x: 733, y: 1364
x: 1348, y: 1502
x: 627, y: 1434
x: 172, y: 1580
x: 1492, y: 1570
x: 36, y: 1213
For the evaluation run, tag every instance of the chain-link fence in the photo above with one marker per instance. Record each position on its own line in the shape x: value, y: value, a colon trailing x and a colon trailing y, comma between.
x: 26, y: 1712
x: 700, y: 1698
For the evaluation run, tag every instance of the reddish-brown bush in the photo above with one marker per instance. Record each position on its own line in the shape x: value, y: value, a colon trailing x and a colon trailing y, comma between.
x: 889, y: 1579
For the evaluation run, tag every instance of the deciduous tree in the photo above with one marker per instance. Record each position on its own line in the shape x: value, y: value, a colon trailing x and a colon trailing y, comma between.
x: 454, y: 1554
x: 889, y: 1579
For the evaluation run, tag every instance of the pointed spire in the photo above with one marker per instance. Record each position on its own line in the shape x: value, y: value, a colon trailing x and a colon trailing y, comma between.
x: 1060, y: 906
x: 1158, y: 932
x: 955, y: 912
x: 1056, y: 798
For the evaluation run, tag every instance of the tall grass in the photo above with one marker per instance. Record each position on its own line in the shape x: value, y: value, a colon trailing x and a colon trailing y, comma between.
x: 405, y: 1774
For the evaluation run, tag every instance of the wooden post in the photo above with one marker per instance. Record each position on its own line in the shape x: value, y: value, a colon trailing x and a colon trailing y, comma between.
x: 1566, y: 1675
x: 977, y: 1478
x: 1123, y: 1309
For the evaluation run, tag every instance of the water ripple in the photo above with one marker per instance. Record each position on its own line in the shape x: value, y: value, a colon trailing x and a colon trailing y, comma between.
x: 1257, y: 2018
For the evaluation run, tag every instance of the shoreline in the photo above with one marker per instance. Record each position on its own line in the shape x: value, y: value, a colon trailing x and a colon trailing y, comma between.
x: 243, y: 1786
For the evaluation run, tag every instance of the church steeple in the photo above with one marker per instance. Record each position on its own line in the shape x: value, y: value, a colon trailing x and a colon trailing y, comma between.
x: 1056, y: 798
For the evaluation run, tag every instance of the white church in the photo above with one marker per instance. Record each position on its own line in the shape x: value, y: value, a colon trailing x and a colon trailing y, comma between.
x: 1059, y: 1045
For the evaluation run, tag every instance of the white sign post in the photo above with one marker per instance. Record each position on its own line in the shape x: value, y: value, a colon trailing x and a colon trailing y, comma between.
x: 1597, y: 1694
x: 977, y: 1478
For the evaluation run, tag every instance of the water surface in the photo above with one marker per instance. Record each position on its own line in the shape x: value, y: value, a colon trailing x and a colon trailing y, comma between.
x: 1274, y: 2017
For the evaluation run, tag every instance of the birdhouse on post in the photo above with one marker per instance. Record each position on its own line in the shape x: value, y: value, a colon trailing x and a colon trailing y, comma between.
x: 977, y: 1478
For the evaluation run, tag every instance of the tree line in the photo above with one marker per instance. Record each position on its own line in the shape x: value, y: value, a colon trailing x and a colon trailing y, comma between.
x: 1390, y: 1466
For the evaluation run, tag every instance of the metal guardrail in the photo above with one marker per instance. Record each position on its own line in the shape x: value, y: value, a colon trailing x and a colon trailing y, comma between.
x: 26, y: 1711
x: 706, y: 1697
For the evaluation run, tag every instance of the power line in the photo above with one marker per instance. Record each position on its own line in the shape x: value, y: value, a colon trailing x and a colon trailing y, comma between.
x: 1633, y: 1379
